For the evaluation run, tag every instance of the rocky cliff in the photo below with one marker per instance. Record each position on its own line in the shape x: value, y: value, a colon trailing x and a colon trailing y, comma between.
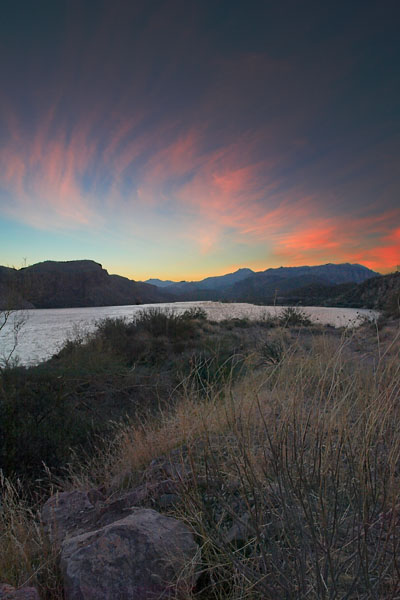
x: 52, y: 284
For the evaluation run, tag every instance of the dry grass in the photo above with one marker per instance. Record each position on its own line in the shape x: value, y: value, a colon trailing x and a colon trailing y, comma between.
x: 301, y: 457
x: 26, y: 556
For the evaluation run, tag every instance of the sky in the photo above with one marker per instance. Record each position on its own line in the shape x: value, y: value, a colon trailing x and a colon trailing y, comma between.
x: 186, y: 138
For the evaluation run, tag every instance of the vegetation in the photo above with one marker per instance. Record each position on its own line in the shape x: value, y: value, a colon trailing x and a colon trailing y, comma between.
x: 291, y: 315
x: 125, y: 369
x: 290, y: 438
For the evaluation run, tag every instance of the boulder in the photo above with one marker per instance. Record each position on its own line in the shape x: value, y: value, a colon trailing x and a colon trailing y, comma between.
x: 144, y: 556
x: 8, y: 592
x: 69, y: 514
x: 66, y: 513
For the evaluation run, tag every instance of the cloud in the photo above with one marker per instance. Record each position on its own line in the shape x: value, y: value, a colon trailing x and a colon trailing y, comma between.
x: 138, y: 122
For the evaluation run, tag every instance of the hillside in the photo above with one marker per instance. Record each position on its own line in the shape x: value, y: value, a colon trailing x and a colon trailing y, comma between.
x: 275, y: 442
x: 381, y: 293
x: 52, y: 284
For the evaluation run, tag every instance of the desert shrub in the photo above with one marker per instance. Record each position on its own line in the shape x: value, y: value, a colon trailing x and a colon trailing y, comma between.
x: 149, y: 337
x: 292, y: 316
x: 121, y: 370
x: 236, y: 322
x: 41, y: 418
x: 168, y: 323
x: 271, y: 352
x: 196, y: 312
x: 209, y: 372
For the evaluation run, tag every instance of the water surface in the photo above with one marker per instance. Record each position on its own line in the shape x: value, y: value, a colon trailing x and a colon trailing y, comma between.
x: 46, y: 330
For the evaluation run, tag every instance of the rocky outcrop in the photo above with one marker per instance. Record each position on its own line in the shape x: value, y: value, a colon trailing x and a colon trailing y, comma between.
x: 67, y: 513
x: 146, y: 555
x: 116, y: 550
x: 76, y: 283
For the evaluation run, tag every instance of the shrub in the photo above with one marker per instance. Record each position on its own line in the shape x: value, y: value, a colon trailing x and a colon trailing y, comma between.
x: 168, y: 323
x: 292, y: 316
x: 271, y: 352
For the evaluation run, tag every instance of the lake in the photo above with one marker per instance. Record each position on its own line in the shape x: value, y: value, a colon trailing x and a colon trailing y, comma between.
x: 45, y: 330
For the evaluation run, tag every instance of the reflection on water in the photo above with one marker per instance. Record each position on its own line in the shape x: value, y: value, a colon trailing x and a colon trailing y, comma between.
x: 45, y: 330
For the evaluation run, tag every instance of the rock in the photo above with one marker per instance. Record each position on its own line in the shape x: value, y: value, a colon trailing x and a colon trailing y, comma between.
x: 8, y: 592
x: 108, y: 512
x: 69, y: 514
x: 145, y: 555
x: 66, y: 513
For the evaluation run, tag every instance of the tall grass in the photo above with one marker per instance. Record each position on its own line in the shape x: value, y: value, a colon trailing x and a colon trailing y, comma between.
x: 26, y: 555
x: 306, y: 456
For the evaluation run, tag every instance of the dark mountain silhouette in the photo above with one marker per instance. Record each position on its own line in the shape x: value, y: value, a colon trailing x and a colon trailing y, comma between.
x: 209, y: 283
x: 159, y: 282
x: 52, y: 284
x: 271, y: 285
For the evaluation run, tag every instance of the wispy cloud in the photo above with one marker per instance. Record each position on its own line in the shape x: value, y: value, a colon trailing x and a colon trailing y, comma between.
x: 167, y: 136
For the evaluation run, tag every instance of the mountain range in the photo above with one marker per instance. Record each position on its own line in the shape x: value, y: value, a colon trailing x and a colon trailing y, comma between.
x: 53, y: 284
x: 271, y: 285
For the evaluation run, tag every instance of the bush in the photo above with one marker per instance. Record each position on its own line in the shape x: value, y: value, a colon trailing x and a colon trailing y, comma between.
x: 271, y: 352
x: 292, y: 316
x: 40, y: 420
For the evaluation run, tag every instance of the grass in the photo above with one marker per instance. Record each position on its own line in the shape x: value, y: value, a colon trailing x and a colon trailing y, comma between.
x: 26, y: 555
x: 292, y: 455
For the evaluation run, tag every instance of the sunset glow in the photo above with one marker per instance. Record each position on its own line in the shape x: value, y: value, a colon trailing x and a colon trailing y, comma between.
x: 183, y: 139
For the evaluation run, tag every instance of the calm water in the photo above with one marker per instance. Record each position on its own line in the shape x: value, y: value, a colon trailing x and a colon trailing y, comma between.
x: 45, y: 331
